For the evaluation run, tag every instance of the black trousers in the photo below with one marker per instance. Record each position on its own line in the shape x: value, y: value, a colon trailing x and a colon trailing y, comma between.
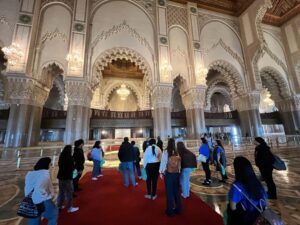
x: 152, y: 170
x: 266, y: 174
x: 206, y: 170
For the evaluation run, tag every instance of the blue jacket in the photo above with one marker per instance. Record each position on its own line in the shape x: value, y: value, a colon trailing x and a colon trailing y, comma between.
x: 204, y: 150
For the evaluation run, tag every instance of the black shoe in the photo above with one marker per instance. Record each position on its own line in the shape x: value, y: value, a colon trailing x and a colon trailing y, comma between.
x: 176, y: 211
x: 206, y: 182
x: 170, y: 214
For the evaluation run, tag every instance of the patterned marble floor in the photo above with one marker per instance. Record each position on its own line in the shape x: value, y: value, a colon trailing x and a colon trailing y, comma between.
x: 288, y: 185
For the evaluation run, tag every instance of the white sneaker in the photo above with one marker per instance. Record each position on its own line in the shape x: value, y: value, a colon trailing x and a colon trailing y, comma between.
x: 100, y: 175
x: 94, y: 178
x: 73, y: 209
x: 148, y: 196
x: 154, y: 197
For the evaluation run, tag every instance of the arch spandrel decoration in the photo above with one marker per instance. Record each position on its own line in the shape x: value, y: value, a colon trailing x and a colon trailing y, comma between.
x: 217, y: 87
x: 231, y: 75
x: 49, y: 71
x: 120, y: 53
x: 276, y: 83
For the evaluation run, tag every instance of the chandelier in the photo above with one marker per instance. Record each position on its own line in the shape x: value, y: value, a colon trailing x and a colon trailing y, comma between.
x: 13, y: 53
x: 75, y: 60
x: 123, y: 92
x: 201, y: 73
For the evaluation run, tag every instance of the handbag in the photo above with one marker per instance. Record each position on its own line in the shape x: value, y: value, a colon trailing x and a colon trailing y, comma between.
x: 102, y: 161
x: 28, y: 209
x: 202, y: 158
x: 144, y: 174
x: 278, y: 164
x: 74, y: 174
x: 267, y: 216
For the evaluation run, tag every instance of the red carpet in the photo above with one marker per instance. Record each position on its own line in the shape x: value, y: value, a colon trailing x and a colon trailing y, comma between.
x: 108, y: 202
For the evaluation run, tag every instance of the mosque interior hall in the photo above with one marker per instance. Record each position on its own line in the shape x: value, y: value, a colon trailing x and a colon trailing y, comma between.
x: 103, y: 70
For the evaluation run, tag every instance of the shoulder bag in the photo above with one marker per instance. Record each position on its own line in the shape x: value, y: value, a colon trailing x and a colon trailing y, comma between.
x: 28, y: 209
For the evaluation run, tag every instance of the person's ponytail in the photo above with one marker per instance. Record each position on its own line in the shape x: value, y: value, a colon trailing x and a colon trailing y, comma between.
x: 153, y: 150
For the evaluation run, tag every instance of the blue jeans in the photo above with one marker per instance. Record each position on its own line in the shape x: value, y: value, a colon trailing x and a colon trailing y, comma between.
x: 96, y: 168
x: 138, y: 168
x: 125, y: 166
x: 185, y: 181
x: 172, y: 192
x: 51, y: 214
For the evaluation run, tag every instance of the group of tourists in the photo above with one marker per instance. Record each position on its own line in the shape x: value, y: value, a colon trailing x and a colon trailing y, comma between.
x: 173, y: 164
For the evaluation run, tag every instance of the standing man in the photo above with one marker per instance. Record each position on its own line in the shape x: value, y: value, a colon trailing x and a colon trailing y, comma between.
x: 159, y: 143
x: 126, y: 157
x: 79, y: 160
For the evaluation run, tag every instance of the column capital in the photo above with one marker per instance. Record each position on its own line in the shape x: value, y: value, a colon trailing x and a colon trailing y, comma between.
x: 288, y: 105
x: 247, y: 102
x: 194, y: 98
x: 162, y: 95
x: 25, y: 90
x: 79, y: 92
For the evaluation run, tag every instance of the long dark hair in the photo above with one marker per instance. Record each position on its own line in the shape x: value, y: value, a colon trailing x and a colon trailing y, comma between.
x: 65, y: 155
x: 97, y: 144
x: 244, y: 173
x: 42, y: 164
x: 171, y: 147
x: 153, y: 142
x: 181, y: 149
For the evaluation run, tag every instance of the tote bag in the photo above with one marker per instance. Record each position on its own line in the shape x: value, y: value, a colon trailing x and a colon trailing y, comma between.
x: 278, y: 164
x: 28, y: 209
x: 202, y: 158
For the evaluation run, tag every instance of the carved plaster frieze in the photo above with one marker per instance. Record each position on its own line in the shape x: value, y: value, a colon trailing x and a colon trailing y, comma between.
x: 194, y: 98
x: 259, y: 17
x: 69, y: 3
x: 3, y: 20
x: 205, y: 18
x: 215, y: 87
x: 288, y: 105
x: 177, y: 16
x: 247, y: 102
x: 104, y: 35
x: 79, y: 92
x: 24, y: 90
x: 147, y: 5
x: 161, y: 96
x: 49, y: 35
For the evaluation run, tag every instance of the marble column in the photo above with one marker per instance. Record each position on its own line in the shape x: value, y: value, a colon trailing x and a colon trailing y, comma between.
x: 289, y: 110
x: 161, y: 100
x: 248, y: 109
x: 78, y: 113
x: 193, y: 100
x: 27, y: 97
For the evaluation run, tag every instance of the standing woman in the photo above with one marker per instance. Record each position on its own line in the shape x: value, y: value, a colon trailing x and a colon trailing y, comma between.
x: 220, y: 160
x: 152, y: 158
x: 170, y: 168
x: 39, y: 183
x: 79, y: 160
x: 64, y: 176
x: 264, y: 160
x: 137, y: 159
x: 240, y: 210
x: 97, y: 157
x: 188, y: 162
x: 204, y: 150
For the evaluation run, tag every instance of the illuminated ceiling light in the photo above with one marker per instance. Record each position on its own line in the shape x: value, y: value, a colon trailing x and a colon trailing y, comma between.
x: 201, y: 73
x: 166, y: 69
x: 123, y: 92
x: 13, y: 53
x: 75, y: 60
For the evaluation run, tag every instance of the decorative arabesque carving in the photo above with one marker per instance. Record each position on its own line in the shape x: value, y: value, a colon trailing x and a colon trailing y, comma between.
x: 216, y: 87
x: 207, y: 18
x: 247, y: 102
x: 24, y: 90
x: 49, y: 73
x: 194, y: 98
x: 121, y: 53
x: 49, y: 35
x: 69, y: 3
x: 58, y: 82
x: 161, y: 96
x: 3, y: 20
x: 104, y: 35
x: 147, y: 5
x: 78, y: 92
x: 259, y: 17
x: 231, y: 75
x: 177, y: 16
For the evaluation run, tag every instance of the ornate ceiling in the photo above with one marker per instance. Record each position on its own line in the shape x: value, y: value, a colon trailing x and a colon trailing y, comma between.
x: 282, y: 10
x: 122, y: 68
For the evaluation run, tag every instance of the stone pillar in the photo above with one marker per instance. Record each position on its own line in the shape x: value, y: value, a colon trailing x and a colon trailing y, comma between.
x: 78, y: 116
x: 248, y: 109
x: 26, y: 97
x: 161, y: 100
x: 289, y: 110
x: 193, y: 100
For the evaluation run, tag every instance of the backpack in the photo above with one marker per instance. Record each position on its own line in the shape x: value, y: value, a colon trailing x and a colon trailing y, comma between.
x: 89, y: 156
x: 174, y: 163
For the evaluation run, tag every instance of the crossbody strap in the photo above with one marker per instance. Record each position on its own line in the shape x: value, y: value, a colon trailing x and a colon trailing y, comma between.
x: 252, y: 203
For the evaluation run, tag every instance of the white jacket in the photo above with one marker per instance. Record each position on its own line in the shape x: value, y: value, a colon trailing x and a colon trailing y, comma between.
x: 40, y: 182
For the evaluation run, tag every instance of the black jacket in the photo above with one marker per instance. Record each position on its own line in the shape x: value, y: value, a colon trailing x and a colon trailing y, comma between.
x: 79, y: 159
x: 66, y: 167
x: 126, y: 152
x: 160, y: 144
x: 263, y: 156
x: 188, y: 160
